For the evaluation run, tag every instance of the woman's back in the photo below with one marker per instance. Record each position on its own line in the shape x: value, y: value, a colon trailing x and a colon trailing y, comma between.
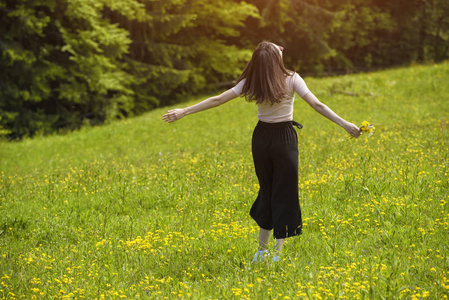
x: 281, y: 111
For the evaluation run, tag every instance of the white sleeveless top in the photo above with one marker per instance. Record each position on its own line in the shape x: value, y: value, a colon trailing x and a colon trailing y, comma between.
x: 282, y: 111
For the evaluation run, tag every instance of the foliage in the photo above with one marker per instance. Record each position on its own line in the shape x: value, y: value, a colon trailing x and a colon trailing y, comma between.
x: 140, y: 208
x: 421, y: 31
x: 324, y: 35
x: 65, y: 63
x: 182, y: 49
x: 3, y: 132
x: 61, y: 65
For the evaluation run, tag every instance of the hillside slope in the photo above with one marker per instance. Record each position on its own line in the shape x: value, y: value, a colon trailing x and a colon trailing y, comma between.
x: 393, y: 99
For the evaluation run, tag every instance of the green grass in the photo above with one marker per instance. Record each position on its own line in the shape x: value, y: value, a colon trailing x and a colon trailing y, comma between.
x: 140, y: 208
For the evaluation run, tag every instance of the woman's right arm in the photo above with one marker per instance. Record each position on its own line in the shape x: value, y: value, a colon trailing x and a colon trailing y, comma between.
x: 176, y: 114
x: 322, y: 109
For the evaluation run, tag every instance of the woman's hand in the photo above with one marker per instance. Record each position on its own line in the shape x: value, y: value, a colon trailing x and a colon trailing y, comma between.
x: 352, y: 129
x: 174, y: 115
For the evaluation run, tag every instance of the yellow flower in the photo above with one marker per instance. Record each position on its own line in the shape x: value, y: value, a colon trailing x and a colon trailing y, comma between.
x: 368, y: 128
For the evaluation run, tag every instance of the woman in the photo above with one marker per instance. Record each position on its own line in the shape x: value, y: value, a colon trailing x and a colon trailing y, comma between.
x: 275, y: 143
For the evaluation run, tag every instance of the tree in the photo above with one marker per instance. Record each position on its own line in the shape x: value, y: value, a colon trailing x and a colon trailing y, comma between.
x: 65, y: 63
x: 182, y: 48
x: 321, y: 35
x: 421, y: 31
x: 61, y: 65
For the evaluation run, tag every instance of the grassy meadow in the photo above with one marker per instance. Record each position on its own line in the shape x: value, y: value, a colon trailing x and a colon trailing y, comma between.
x: 144, y: 209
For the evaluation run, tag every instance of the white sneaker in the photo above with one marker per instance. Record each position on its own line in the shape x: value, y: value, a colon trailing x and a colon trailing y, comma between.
x: 276, y: 256
x: 260, y: 256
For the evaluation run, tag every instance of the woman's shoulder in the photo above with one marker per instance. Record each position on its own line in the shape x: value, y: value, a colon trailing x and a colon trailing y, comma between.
x: 294, y: 77
x: 238, y: 88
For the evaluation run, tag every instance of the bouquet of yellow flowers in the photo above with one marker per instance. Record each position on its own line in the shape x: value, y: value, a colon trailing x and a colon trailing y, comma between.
x: 368, y: 128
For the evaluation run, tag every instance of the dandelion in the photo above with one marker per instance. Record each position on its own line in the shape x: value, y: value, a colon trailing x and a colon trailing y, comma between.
x: 368, y: 128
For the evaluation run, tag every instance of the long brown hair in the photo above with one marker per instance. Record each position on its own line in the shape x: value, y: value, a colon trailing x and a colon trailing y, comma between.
x: 265, y: 76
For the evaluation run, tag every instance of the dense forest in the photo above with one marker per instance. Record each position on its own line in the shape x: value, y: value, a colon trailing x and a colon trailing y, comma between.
x: 69, y: 63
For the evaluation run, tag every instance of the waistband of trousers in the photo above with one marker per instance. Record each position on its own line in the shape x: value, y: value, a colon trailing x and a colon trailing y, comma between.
x: 279, y: 124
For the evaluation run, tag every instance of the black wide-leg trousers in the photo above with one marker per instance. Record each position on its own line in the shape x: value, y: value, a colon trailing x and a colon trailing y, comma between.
x: 275, y: 155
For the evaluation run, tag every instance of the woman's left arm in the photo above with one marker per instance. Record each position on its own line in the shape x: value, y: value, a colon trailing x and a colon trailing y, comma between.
x: 178, y: 113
